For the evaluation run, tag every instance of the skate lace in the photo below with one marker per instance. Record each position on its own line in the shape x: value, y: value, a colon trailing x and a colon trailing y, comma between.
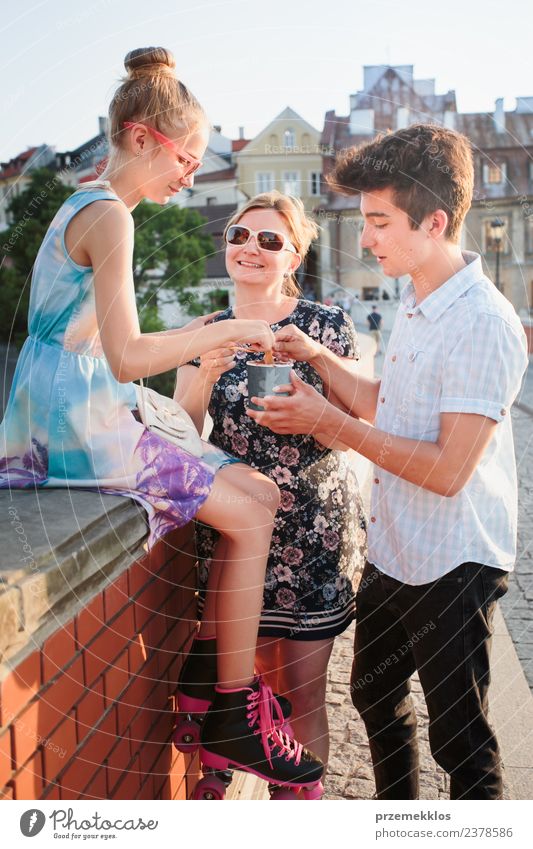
x: 264, y: 711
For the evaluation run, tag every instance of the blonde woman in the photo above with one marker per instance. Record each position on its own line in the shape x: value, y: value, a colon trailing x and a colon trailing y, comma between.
x: 319, y: 534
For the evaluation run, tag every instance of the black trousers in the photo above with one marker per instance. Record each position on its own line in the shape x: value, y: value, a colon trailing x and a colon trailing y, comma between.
x: 442, y: 629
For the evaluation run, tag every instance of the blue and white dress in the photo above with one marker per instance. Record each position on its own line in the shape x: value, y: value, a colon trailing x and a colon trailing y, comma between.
x: 69, y: 422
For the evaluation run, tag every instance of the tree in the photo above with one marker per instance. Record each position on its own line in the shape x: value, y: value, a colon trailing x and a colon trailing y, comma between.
x: 32, y: 212
x: 170, y: 253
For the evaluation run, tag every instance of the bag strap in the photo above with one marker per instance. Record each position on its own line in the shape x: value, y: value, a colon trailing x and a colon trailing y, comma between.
x: 142, y: 400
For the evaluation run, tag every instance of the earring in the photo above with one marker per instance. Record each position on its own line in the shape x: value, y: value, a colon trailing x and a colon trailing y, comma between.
x: 286, y: 275
x: 139, y: 153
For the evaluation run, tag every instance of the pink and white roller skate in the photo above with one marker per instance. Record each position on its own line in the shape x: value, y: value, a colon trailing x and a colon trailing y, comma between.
x: 243, y: 731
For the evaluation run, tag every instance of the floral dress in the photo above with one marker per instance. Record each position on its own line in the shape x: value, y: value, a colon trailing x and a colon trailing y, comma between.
x: 319, y: 539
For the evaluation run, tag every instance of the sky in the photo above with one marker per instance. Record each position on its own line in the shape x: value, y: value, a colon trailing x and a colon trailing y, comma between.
x: 246, y: 60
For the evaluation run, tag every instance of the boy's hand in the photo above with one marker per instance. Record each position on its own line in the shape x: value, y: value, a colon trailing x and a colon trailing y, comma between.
x: 301, y: 412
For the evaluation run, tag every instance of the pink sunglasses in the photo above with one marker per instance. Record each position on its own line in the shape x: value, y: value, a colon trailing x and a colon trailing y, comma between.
x: 191, y: 164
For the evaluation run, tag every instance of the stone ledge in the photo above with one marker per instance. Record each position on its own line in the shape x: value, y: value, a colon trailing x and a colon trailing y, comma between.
x: 60, y: 548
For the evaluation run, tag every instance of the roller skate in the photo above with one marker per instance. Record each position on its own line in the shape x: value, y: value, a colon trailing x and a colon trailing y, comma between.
x: 243, y: 731
x: 196, y: 692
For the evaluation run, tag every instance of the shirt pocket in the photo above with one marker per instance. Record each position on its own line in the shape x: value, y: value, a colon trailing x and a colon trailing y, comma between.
x: 423, y: 384
x: 423, y: 372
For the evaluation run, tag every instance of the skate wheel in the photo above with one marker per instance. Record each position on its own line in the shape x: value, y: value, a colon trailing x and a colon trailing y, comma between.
x: 186, y: 736
x: 279, y: 794
x: 210, y: 788
x: 315, y: 792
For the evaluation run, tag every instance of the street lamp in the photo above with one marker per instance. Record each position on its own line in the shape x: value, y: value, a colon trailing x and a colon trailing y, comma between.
x: 497, y: 227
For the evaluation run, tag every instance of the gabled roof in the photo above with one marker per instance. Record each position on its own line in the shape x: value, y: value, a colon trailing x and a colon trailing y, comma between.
x: 238, y: 144
x: 15, y: 167
x: 285, y: 115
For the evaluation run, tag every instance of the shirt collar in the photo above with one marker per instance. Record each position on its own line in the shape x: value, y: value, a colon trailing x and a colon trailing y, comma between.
x: 438, y: 302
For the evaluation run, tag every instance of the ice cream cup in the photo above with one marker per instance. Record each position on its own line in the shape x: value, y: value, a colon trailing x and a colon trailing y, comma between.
x: 262, y: 378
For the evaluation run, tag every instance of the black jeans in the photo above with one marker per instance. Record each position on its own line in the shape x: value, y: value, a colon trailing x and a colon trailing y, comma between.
x: 443, y: 629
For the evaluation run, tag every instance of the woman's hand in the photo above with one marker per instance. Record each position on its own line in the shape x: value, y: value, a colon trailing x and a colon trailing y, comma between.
x: 293, y: 344
x: 214, y: 363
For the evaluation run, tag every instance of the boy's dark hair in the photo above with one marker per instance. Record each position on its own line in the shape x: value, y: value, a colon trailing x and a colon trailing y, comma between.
x: 428, y: 167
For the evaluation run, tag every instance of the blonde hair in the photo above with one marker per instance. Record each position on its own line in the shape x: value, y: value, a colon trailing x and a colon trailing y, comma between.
x: 303, y: 230
x: 151, y: 92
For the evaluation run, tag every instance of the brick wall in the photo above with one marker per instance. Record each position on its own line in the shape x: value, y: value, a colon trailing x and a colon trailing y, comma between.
x: 89, y: 714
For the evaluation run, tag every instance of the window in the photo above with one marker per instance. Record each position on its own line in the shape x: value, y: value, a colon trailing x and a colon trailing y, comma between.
x: 315, y: 179
x: 291, y: 183
x: 288, y: 138
x: 489, y: 243
x: 494, y: 174
x: 370, y: 293
x: 529, y: 234
x: 264, y: 181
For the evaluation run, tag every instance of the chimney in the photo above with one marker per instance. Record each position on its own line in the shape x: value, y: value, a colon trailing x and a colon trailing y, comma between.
x: 499, y: 116
x: 102, y: 124
x: 241, y: 132
x: 449, y: 119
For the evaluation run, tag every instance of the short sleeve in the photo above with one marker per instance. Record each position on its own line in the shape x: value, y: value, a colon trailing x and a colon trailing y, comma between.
x: 339, y: 335
x: 483, y: 371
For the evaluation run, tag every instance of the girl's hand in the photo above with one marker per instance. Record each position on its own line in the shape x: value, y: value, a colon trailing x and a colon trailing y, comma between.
x: 214, y: 363
x: 256, y: 334
x: 200, y: 321
x: 292, y: 343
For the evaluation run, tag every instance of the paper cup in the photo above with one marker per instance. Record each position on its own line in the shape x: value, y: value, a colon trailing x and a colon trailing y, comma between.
x: 263, y: 377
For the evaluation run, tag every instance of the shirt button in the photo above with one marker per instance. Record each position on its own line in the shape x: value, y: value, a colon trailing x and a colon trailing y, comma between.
x: 394, y: 358
x: 382, y: 399
x: 376, y: 480
x: 372, y: 519
x: 409, y: 315
x: 503, y: 411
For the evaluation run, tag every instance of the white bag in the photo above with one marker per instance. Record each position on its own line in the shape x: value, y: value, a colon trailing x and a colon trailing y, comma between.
x: 166, y: 418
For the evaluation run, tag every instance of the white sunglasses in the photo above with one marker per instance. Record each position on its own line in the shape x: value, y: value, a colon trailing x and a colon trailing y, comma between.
x: 267, y: 240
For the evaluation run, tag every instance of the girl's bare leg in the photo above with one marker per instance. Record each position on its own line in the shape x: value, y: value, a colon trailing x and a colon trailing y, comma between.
x: 246, y: 525
x: 256, y: 489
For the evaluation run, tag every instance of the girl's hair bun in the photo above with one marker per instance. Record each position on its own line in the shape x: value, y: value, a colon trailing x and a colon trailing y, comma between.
x: 149, y: 62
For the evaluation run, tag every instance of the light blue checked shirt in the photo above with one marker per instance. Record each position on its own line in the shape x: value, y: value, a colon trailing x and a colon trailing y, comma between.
x: 461, y: 350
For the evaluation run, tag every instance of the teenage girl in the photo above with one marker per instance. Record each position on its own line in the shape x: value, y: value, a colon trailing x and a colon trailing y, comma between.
x: 69, y: 420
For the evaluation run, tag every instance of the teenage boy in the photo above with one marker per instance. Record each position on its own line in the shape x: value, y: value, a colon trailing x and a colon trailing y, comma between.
x: 442, y: 531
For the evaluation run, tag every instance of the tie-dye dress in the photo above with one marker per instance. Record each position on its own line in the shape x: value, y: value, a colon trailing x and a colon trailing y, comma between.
x: 69, y: 422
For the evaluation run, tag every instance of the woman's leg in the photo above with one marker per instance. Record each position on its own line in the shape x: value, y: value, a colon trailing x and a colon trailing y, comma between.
x: 302, y: 677
x: 246, y: 524
x: 267, y: 661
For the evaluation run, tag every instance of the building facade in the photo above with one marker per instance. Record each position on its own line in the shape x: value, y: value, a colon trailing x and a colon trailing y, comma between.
x: 503, y: 153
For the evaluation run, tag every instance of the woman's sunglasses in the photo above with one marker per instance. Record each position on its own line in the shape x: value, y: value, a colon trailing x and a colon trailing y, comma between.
x: 191, y: 164
x: 266, y: 240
